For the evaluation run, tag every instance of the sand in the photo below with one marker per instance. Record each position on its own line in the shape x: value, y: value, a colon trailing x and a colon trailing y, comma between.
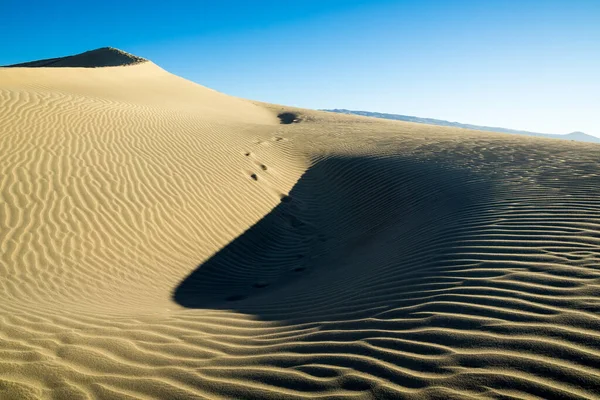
x: 160, y: 240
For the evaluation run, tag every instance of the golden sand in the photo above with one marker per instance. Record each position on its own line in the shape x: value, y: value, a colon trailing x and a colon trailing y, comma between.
x: 160, y: 240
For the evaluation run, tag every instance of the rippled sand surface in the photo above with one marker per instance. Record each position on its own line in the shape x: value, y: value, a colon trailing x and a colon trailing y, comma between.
x: 160, y: 240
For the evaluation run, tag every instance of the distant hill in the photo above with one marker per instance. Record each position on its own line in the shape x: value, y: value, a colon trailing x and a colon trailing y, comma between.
x: 579, y: 136
x: 102, y: 57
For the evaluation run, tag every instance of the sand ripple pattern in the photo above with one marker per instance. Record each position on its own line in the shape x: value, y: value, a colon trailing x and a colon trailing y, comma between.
x: 160, y: 240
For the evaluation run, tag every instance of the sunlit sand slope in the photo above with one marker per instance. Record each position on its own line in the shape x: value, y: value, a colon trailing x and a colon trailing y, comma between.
x: 161, y: 240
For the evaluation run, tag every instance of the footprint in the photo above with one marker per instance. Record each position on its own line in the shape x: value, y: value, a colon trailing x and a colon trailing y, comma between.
x: 296, y: 222
x: 299, y: 225
x: 261, y: 284
x: 254, y: 176
x: 263, y: 167
x: 299, y: 269
x: 247, y: 154
x: 236, y: 297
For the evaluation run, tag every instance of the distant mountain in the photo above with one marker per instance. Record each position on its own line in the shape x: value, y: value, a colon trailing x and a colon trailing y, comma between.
x: 578, y: 136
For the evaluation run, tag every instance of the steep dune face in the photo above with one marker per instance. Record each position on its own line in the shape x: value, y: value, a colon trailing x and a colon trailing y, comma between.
x: 162, y: 240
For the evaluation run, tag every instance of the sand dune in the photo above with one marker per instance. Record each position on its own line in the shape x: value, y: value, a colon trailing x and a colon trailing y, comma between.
x: 161, y: 240
x: 103, y: 57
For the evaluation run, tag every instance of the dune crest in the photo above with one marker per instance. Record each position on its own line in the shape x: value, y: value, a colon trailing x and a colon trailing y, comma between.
x: 102, y: 57
x: 159, y: 239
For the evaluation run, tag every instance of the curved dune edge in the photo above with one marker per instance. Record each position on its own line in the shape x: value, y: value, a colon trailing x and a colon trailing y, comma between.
x: 162, y: 240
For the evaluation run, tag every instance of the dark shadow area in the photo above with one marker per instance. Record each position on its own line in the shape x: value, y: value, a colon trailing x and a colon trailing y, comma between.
x: 412, y: 273
x: 352, y: 236
x: 288, y: 118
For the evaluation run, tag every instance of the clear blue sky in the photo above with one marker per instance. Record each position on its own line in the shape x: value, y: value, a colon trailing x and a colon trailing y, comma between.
x: 521, y: 64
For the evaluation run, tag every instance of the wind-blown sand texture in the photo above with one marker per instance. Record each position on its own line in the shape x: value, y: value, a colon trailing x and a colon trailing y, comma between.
x: 160, y: 240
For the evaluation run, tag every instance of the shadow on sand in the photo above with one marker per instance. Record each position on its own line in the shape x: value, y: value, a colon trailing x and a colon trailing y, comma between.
x: 355, y: 235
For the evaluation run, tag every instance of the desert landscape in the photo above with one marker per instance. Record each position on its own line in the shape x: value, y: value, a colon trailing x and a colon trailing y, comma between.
x: 161, y: 240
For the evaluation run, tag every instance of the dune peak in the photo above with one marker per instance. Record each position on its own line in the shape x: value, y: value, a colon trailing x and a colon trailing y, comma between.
x: 101, y: 57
